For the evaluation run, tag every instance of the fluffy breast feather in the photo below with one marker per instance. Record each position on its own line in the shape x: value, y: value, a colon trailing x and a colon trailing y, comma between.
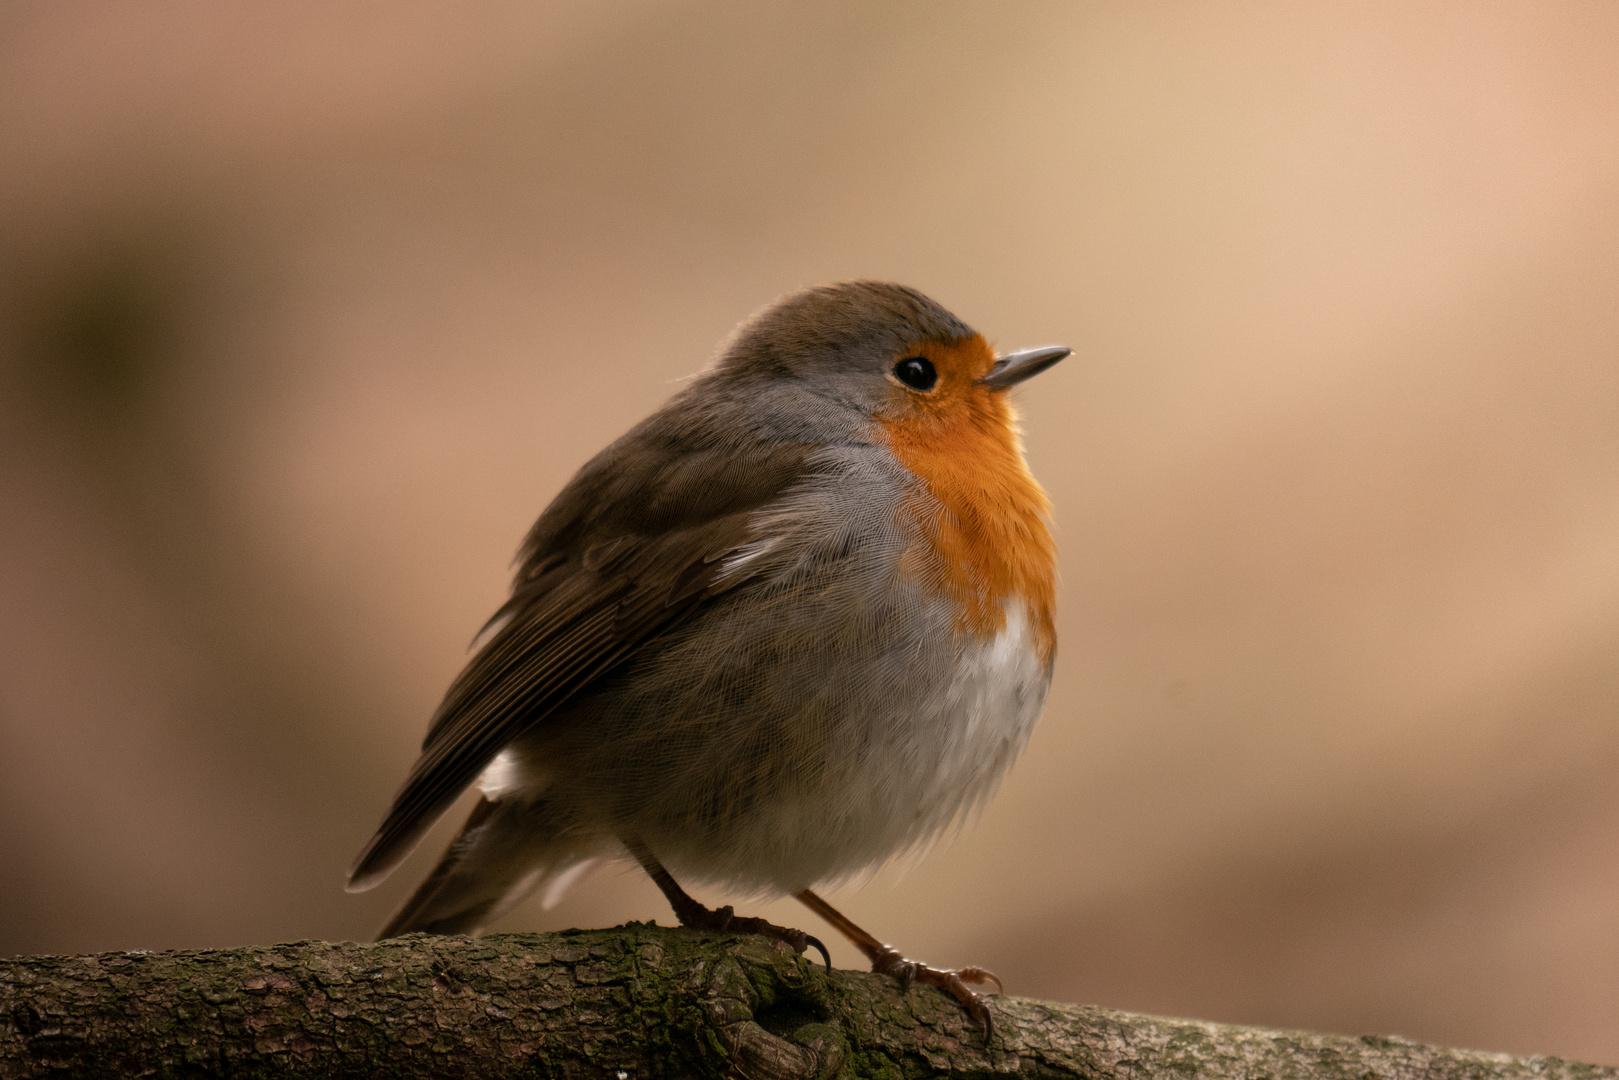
x: 982, y: 518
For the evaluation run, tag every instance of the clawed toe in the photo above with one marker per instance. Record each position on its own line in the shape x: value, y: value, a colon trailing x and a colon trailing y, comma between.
x: 826, y: 957
x: 889, y: 962
x: 796, y: 940
x: 886, y: 960
x: 726, y: 920
x: 979, y: 976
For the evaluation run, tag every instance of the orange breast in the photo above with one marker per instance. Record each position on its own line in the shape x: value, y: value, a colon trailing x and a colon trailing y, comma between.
x: 986, y: 538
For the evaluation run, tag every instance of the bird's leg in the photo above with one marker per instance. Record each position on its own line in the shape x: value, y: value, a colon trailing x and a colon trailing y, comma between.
x: 691, y: 913
x: 886, y: 960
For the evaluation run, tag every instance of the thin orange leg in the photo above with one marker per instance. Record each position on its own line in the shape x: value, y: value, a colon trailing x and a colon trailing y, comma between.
x: 886, y: 960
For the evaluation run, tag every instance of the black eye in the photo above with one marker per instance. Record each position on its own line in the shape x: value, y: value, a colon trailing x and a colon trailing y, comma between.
x: 917, y: 373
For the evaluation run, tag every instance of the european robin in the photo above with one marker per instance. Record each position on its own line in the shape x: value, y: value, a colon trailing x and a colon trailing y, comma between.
x: 797, y: 621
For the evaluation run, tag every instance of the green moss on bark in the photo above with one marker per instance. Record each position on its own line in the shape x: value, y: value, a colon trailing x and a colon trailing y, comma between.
x: 640, y: 1000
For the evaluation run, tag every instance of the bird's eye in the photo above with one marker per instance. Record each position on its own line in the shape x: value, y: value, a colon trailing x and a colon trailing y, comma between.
x: 917, y: 373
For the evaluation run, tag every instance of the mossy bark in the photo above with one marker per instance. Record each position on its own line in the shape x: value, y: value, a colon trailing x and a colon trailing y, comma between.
x: 629, y: 1003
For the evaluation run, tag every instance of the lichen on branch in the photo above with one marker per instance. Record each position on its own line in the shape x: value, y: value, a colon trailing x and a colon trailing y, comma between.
x: 638, y: 1001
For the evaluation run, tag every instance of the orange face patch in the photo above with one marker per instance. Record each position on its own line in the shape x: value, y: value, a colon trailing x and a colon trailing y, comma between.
x: 985, y: 533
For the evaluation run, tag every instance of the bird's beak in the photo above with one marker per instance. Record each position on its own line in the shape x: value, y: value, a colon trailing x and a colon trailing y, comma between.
x: 1013, y: 368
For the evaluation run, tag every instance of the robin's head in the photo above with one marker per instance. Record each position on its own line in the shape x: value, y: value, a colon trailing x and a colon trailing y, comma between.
x: 876, y: 351
x: 869, y: 362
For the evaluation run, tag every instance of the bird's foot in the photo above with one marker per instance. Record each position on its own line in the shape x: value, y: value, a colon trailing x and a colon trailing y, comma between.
x: 726, y: 921
x: 887, y: 961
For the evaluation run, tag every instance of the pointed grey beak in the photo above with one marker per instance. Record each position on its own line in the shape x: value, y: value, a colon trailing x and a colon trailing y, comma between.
x: 1013, y: 368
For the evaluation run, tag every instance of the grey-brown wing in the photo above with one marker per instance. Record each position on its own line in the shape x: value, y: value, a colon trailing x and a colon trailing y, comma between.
x: 631, y: 544
x: 566, y: 627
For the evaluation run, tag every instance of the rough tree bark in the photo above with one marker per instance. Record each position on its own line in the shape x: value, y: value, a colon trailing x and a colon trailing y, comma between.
x: 624, y: 1004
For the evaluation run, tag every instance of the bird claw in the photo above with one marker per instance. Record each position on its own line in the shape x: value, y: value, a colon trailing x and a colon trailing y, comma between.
x: 953, y: 982
x: 726, y: 920
x: 978, y: 976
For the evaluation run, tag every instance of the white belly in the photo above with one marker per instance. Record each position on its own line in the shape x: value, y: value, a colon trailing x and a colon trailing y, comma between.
x: 972, y: 732
x: 925, y: 768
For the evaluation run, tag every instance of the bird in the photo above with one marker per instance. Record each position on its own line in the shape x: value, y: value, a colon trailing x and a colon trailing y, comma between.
x: 797, y: 622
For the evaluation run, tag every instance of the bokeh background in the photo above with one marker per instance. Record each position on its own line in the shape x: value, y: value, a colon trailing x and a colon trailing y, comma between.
x: 307, y: 309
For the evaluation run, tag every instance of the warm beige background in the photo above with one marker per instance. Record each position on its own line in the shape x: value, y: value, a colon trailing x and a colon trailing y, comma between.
x: 306, y: 309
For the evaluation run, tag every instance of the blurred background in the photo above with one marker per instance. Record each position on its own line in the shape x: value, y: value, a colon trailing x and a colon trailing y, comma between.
x: 307, y: 309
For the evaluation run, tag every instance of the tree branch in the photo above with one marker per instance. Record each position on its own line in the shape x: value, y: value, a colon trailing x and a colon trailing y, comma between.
x: 624, y: 1004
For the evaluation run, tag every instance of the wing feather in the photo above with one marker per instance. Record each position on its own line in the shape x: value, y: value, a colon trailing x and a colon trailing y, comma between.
x: 586, y: 597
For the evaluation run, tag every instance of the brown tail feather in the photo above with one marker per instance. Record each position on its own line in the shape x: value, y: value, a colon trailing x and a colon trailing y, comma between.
x: 501, y: 856
x: 408, y: 918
